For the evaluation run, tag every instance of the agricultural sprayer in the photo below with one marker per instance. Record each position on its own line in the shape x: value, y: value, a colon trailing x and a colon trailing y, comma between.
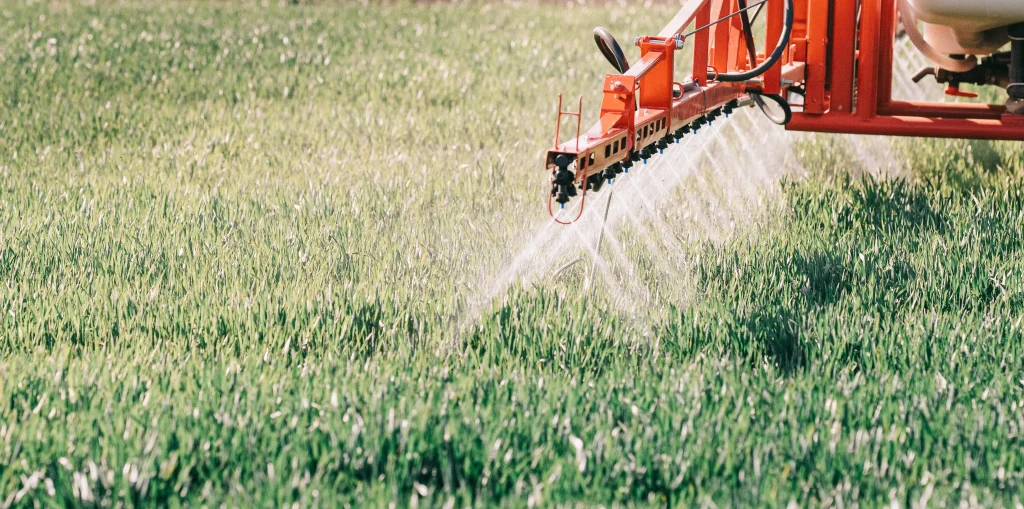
x: 825, y: 66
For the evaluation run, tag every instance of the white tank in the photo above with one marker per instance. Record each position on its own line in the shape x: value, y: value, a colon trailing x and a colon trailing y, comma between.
x: 973, y: 15
x: 976, y: 27
x: 961, y: 26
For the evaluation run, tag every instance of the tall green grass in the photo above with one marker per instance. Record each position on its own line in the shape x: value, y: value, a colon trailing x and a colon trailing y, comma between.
x: 237, y: 244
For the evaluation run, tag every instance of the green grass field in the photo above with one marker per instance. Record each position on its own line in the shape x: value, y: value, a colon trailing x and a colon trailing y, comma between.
x: 239, y: 247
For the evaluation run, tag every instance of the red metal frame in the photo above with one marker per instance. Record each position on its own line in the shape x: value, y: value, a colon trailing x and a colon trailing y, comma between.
x: 844, y: 67
x: 649, y: 85
x: 579, y: 120
x: 875, y: 111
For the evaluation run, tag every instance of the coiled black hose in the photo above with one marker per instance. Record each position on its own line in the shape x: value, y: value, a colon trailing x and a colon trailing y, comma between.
x: 782, y: 117
x: 780, y: 48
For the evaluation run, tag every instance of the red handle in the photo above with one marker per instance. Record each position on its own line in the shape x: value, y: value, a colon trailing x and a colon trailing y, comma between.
x: 956, y: 92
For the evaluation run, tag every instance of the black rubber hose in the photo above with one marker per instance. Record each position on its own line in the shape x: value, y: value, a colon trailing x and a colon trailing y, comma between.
x: 780, y: 48
x: 610, y: 49
x: 787, y: 112
x: 748, y: 32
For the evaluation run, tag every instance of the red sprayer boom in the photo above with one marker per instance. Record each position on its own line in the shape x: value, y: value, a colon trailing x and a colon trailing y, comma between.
x: 837, y: 55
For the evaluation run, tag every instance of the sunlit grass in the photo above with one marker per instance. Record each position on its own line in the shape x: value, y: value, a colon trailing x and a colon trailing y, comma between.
x: 239, y: 244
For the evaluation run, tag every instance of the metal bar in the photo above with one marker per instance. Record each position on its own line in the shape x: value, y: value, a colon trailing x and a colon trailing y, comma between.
x: 645, y: 64
x: 886, y: 37
x: 737, y: 44
x: 723, y: 16
x: 842, y: 41
x: 682, y: 19
x: 990, y: 129
x: 684, y: 110
x: 720, y: 50
x: 695, y: 103
x: 701, y: 47
x: 867, y: 59
x: 943, y: 110
x: 773, y: 75
x: 800, y: 36
x: 817, y: 42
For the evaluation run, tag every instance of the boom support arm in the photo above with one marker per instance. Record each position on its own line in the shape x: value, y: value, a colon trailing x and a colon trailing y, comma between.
x: 838, y: 54
x: 645, y: 109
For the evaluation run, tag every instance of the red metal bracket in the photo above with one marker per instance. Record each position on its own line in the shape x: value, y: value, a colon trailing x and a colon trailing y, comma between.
x: 579, y: 121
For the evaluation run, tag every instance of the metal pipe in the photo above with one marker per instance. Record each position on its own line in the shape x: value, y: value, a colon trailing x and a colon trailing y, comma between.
x: 987, y: 129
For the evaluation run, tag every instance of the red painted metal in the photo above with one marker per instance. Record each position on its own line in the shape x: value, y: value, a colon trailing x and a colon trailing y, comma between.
x: 817, y: 49
x: 579, y: 120
x: 720, y: 49
x: 954, y: 91
x: 943, y: 110
x: 774, y: 11
x: 843, y: 42
x: 840, y: 54
x: 886, y: 34
x: 700, y: 45
x: 860, y: 102
x: 1002, y: 128
x: 867, y: 65
x: 656, y: 91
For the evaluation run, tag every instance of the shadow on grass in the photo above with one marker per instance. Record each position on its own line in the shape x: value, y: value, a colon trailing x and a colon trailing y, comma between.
x: 777, y: 332
x: 541, y: 329
x: 892, y: 207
